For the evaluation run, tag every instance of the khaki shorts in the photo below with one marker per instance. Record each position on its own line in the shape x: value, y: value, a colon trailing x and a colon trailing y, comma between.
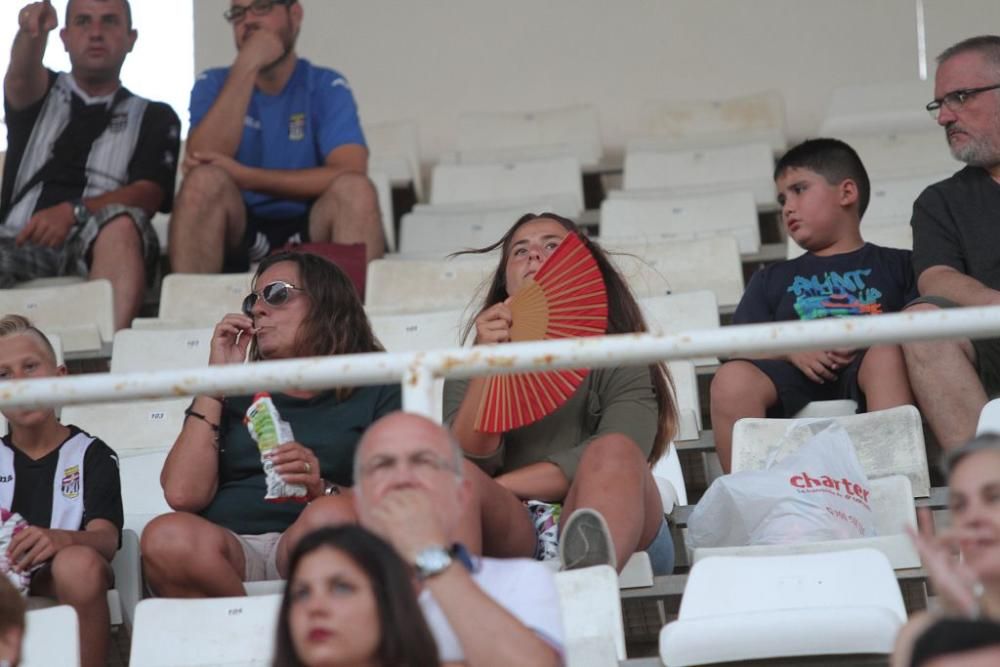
x: 260, y: 552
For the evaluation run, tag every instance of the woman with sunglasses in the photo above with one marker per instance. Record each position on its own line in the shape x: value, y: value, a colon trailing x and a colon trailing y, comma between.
x: 350, y: 600
x: 593, y: 455
x: 224, y: 532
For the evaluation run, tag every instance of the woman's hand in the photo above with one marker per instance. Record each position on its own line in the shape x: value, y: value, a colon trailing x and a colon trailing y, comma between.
x: 493, y: 324
x: 230, y: 340
x: 953, y: 580
x: 298, y: 464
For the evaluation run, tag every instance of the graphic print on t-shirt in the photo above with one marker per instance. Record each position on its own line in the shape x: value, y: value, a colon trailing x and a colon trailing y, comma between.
x: 835, y: 295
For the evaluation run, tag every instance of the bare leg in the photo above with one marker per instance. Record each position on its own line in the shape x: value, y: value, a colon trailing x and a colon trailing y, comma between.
x: 117, y: 257
x: 739, y: 389
x: 506, y: 527
x: 186, y: 556
x: 348, y: 213
x: 322, y: 512
x: 614, y: 478
x: 208, y: 218
x: 80, y: 578
x: 947, y: 387
x: 883, y: 379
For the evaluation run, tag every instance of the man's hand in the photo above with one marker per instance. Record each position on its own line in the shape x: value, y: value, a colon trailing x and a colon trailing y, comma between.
x: 406, y: 518
x: 48, y: 227
x: 260, y: 50
x: 822, y: 366
x: 37, y: 19
x: 238, y: 172
x: 33, y: 546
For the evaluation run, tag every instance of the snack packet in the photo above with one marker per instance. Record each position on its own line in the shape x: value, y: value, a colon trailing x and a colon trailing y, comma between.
x: 10, y: 525
x: 269, y: 431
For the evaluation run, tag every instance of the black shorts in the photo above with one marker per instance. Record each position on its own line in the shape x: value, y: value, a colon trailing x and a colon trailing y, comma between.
x: 795, y: 390
x: 263, y: 236
x: 987, y: 350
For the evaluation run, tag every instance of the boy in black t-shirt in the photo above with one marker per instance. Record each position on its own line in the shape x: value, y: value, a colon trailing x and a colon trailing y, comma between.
x: 65, y: 483
x: 823, y: 191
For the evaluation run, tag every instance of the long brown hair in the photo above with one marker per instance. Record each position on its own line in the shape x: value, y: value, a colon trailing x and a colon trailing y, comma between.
x: 624, y: 316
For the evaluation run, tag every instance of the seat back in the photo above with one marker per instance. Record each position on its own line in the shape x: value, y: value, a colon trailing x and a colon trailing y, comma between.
x: 704, y: 171
x: 658, y: 219
x: 81, y: 314
x: 903, y: 155
x: 412, y: 285
x: 877, y: 107
x: 686, y: 399
x: 575, y: 130
x: 888, y: 442
x: 591, y: 611
x: 698, y: 123
x: 142, y: 494
x: 658, y: 269
x: 131, y: 427
x: 220, y: 631
x: 201, y: 300
x: 732, y: 585
x: 419, y: 332
x: 137, y: 350
x: 892, y: 199
x: 684, y: 311
x: 989, y: 418
x: 52, y: 637
x: 394, y: 148
x: 462, y: 183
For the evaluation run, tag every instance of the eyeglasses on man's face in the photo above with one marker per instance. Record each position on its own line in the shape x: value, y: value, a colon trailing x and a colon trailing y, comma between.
x: 274, y: 294
x: 956, y: 99
x: 236, y: 13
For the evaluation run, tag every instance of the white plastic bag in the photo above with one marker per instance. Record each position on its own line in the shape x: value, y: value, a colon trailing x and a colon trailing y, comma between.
x: 819, y: 492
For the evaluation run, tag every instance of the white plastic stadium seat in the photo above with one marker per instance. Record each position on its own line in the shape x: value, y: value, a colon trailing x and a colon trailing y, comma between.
x: 875, y: 108
x: 592, y: 616
x: 703, y: 171
x: 52, y: 637
x: 828, y: 409
x: 142, y: 494
x: 394, y: 148
x: 686, y: 397
x: 570, y: 130
x: 684, y: 311
x: 759, y: 608
x: 989, y: 418
x: 131, y: 427
x: 444, y: 229
x: 81, y: 314
x: 889, y: 236
x: 383, y: 188
x: 656, y: 269
x: 702, y: 123
x: 670, y: 480
x: 419, y: 332
x: 465, y: 183
x: 190, y: 633
x: 137, y: 350
x: 891, y: 201
x: 411, y: 286
x: 190, y: 300
x: 659, y: 219
x: 904, y: 154
x: 888, y: 442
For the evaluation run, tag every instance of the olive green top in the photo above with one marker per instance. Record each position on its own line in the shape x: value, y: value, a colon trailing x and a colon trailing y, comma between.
x: 610, y: 400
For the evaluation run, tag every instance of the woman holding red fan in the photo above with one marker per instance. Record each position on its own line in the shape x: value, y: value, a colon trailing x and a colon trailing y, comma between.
x: 593, y: 454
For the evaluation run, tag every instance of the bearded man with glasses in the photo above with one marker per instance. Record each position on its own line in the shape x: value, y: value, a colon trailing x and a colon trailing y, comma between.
x: 276, y: 153
x: 956, y: 242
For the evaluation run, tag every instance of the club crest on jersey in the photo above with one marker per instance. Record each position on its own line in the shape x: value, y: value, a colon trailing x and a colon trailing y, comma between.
x: 297, y: 127
x: 71, y: 482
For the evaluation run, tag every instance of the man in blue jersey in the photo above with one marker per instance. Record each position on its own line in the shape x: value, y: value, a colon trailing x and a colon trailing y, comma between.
x: 275, y: 155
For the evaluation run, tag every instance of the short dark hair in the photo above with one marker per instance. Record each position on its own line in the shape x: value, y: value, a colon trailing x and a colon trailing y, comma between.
x: 405, y: 639
x: 832, y: 159
x: 125, y: 3
x: 987, y: 46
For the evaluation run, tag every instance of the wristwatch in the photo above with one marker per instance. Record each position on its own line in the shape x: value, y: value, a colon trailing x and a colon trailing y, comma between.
x: 432, y: 561
x: 80, y: 212
x: 330, y: 489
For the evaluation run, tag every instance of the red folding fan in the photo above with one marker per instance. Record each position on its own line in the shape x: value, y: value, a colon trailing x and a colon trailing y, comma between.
x: 565, y: 299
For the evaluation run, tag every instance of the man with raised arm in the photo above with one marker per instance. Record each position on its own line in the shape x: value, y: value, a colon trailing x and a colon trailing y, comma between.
x: 276, y: 154
x: 87, y: 162
x: 956, y: 242
x: 409, y: 488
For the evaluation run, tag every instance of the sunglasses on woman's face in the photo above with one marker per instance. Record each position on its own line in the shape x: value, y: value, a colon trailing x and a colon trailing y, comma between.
x: 274, y: 294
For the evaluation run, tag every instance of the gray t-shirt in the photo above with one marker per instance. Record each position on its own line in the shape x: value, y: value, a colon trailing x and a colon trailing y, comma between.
x: 956, y: 223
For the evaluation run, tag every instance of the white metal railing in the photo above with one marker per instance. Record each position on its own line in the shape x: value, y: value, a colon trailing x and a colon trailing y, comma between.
x: 418, y: 370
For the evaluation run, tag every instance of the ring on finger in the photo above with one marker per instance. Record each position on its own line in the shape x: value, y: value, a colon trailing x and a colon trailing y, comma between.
x: 308, y: 468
